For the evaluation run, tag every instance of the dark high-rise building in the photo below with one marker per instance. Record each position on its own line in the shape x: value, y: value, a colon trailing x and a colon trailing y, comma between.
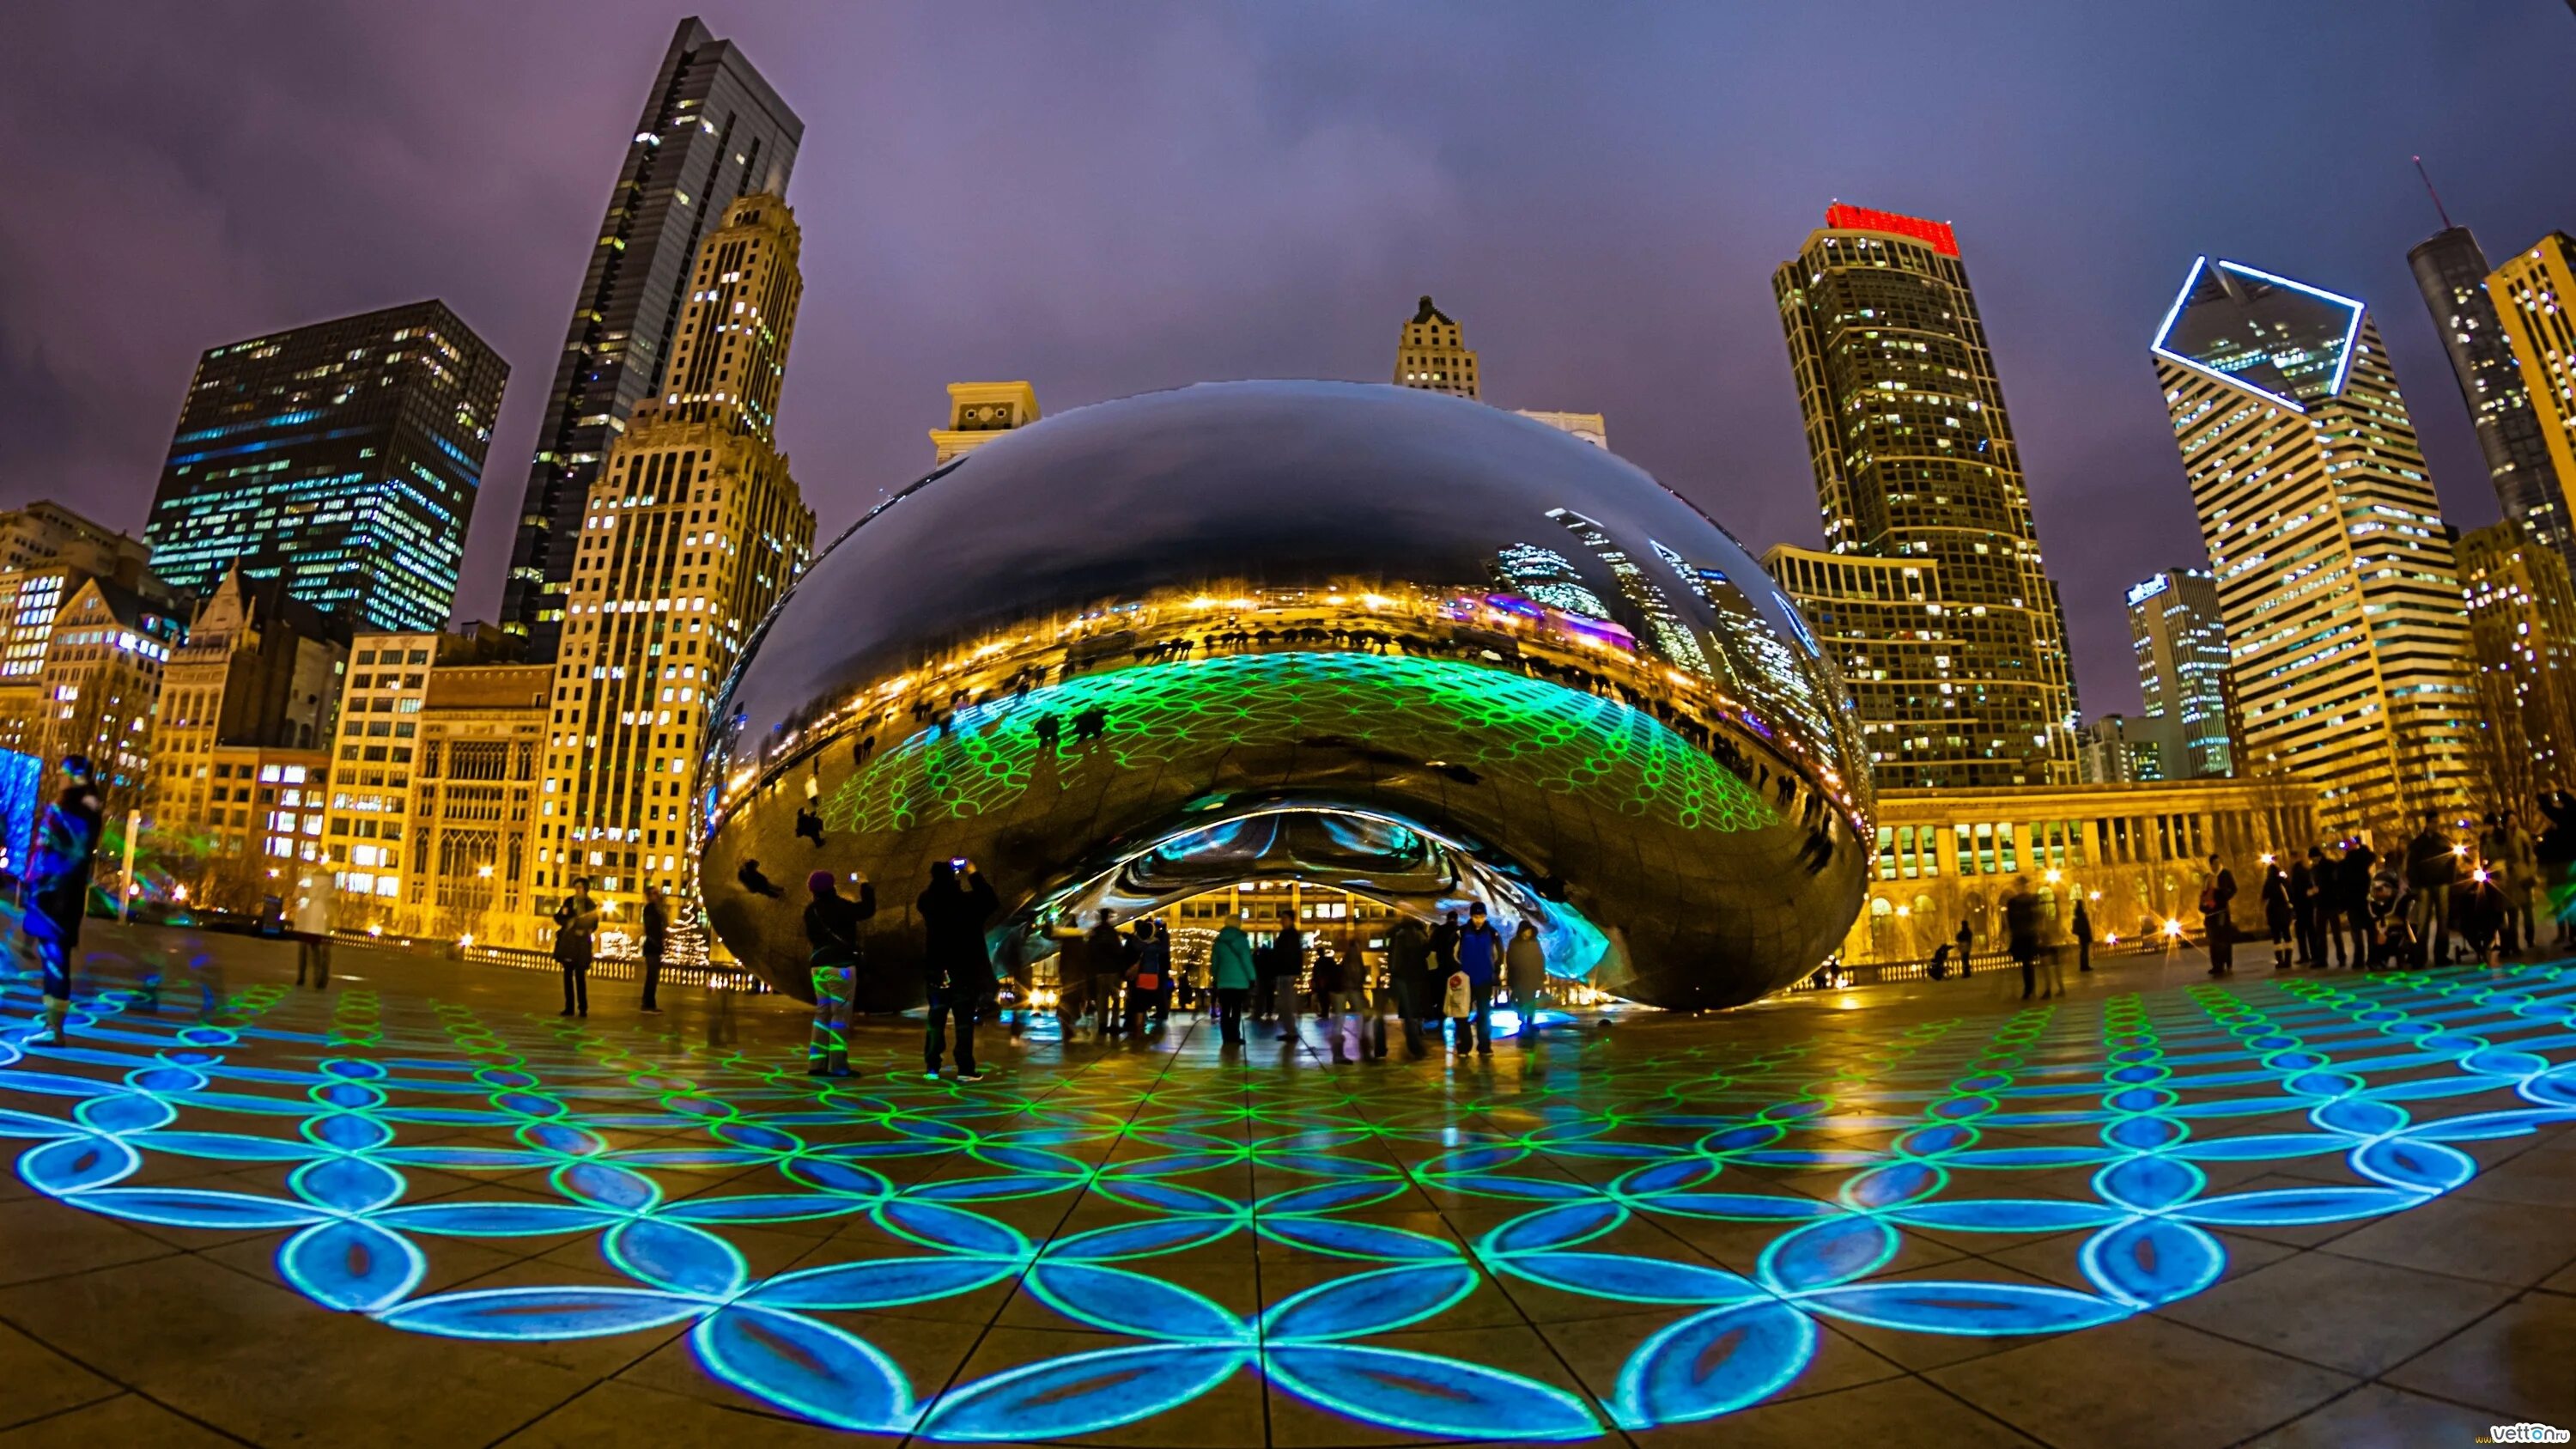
x: 1957, y: 657
x: 2451, y: 272
x: 712, y: 131
x: 343, y: 457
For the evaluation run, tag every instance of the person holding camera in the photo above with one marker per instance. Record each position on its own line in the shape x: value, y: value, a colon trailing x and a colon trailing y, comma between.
x: 956, y: 965
x: 832, y: 940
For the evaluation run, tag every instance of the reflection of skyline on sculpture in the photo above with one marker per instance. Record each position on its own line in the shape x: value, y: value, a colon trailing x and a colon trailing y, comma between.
x: 1314, y: 597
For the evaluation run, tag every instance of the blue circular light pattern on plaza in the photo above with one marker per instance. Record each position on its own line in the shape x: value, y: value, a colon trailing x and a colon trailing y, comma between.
x: 2125, y: 1130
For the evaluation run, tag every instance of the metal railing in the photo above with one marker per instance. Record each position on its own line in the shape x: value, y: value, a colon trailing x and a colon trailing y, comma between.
x: 714, y: 976
x: 1997, y: 958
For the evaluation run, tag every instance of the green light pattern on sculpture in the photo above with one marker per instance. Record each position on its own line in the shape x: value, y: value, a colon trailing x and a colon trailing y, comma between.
x: 1525, y: 731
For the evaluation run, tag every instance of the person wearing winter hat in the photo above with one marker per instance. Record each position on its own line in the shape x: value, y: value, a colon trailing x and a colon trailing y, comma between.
x: 57, y: 883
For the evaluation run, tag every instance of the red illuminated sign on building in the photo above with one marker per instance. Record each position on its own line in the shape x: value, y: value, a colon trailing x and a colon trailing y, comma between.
x: 1934, y: 234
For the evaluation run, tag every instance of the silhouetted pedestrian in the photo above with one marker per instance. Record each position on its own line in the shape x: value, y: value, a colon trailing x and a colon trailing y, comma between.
x: 2432, y: 868
x: 956, y: 966
x: 576, y: 917
x: 2218, y: 925
x: 2277, y: 914
x: 2021, y: 933
x: 657, y: 936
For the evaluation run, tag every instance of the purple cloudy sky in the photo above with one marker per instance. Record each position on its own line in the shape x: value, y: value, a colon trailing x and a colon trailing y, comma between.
x: 1109, y: 197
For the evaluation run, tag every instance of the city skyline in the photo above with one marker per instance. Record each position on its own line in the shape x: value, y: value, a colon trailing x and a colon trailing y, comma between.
x: 1654, y: 319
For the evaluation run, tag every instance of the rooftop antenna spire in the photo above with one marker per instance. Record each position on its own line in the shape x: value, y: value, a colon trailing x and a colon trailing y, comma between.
x: 2438, y: 208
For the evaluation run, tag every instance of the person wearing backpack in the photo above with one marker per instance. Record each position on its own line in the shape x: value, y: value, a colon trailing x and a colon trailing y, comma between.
x: 1149, y: 978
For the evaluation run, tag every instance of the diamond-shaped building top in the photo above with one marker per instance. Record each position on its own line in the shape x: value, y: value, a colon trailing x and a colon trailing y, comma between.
x: 2286, y: 340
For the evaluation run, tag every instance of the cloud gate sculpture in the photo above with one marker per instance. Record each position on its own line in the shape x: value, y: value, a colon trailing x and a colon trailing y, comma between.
x: 1384, y: 640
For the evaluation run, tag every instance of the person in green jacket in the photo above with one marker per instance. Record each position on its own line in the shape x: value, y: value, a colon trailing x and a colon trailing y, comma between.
x: 1230, y: 974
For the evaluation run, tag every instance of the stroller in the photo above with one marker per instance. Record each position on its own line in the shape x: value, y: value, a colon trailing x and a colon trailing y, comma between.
x: 2393, y: 943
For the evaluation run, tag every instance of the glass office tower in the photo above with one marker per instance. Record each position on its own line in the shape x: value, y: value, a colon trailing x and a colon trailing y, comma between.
x: 343, y: 456
x: 1960, y: 673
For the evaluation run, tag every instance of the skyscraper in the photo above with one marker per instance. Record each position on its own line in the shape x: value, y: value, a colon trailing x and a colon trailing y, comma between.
x: 2451, y: 272
x: 2337, y: 585
x: 693, y: 529
x: 2522, y: 638
x: 2532, y: 292
x: 343, y: 457
x: 1958, y: 667
x: 1434, y: 355
x: 712, y: 130
x: 2181, y: 645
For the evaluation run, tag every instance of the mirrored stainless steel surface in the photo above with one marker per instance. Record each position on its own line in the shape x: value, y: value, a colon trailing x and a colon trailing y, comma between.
x: 1388, y: 640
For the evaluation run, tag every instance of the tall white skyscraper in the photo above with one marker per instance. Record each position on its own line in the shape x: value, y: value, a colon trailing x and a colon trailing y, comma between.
x: 2339, y: 591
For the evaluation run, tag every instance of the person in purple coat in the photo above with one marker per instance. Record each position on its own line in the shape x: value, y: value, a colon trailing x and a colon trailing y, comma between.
x: 57, y: 883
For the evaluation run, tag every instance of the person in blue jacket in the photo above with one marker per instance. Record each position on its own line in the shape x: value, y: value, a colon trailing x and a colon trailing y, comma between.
x: 57, y: 882
x: 1230, y: 976
x: 1480, y: 956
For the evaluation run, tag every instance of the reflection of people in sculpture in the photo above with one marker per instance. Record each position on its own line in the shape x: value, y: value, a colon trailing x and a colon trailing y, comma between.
x: 1091, y: 724
x: 756, y: 883
x: 1049, y: 731
x: 808, y: 824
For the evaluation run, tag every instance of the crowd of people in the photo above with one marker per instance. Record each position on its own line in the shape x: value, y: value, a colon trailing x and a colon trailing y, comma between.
x: 2373, y: 912
x: 1439, y: 984
x: 2340, y: 905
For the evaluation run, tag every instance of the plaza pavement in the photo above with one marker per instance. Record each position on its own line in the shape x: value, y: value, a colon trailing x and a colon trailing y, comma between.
x: 421, y: 1209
